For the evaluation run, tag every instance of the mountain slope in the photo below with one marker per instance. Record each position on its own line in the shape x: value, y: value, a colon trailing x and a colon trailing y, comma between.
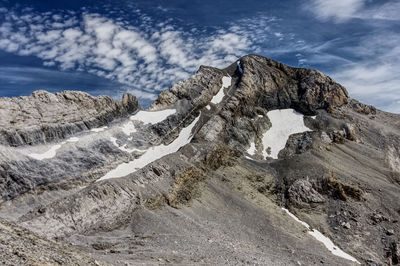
x: 209, y: 172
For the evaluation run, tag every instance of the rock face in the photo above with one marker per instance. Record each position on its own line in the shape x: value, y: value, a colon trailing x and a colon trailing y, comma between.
x: 187, y: 181
x: 46, y: 117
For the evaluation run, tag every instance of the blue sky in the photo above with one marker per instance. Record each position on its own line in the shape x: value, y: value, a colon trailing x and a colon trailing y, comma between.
x: 143, y: 47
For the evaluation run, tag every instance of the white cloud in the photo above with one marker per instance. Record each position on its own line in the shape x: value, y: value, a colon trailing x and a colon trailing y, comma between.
x: 72, y: 34
x: 339, y: 10
x: 149, y: 58
x: 343, y: 10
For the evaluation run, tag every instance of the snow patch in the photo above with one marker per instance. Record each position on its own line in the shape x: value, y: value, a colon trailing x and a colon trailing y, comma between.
x: 47, y: 155
x: 323, y: 239
x: 123, y: 148
x: 73, y: 139
x: 128, y: 128
x: 247, y: 157
x: 99, y: 129
x: 51, y: 153
x: 152, y: 117
x: 208, y: 107
x: 152, y: 154
x: 226, y: 83
x: 252, y: 149
x: 285, y: 122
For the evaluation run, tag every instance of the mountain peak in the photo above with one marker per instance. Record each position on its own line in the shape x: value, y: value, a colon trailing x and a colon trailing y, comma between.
x: 243, y: 160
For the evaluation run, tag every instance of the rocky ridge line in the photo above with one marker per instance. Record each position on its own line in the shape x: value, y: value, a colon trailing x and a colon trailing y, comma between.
x: 45, y: 117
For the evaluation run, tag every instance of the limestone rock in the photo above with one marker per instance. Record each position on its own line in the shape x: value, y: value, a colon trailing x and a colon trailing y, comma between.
x: 196, y: 195
x: 302, y: 192
x: 46, y: 117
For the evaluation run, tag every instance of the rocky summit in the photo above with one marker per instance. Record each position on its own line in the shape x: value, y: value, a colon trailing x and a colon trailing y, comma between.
x: 258, y: 163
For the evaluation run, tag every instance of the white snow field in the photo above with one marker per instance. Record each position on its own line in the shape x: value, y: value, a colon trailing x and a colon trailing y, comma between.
x: 226, y: 83
x: 323, y: 239
x: 152, y: 154
x: 285, y: 122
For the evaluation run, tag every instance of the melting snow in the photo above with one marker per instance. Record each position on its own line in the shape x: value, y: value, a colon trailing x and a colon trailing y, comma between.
x: 123, y: 148
x: 226, y: 83
x: 152, y: 117
x: 152, y: 154
x: 284, y: 122
x: 52, y: 151
x: 247, y: 157
x: 323, y: 239
x: 147, y: 117
x: 47, y: 155
x: 99, y: 129
x: 128, y: 128
x: 252, y: 149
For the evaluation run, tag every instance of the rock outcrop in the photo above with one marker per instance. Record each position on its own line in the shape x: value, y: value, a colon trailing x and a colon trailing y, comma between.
x: 45, y: 117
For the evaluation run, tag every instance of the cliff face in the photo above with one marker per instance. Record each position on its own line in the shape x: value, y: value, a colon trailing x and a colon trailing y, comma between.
x: 45, y: 117
x: 205, y: 172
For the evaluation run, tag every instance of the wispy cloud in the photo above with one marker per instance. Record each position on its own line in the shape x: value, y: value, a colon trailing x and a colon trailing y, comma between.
x: 144, y: 58
x: 367, y: 63
x: 339, y: 10
x: 52, y: 80
x: 375, y: 77
x: 387, y: 11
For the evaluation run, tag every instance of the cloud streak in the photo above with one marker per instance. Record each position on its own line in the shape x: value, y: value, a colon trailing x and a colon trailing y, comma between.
x: 338, y: 10
x: 375, y: 78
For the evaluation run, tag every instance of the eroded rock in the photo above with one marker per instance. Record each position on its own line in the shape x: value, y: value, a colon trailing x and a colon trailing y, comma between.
x: 301, y: 192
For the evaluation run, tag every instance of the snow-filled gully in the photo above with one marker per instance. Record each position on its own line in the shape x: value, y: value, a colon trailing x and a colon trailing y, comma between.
x: 323, y: 239
x: 285, y: 122
x: 152, y: 154
x: 128, y: 128
x: 226, y: 83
